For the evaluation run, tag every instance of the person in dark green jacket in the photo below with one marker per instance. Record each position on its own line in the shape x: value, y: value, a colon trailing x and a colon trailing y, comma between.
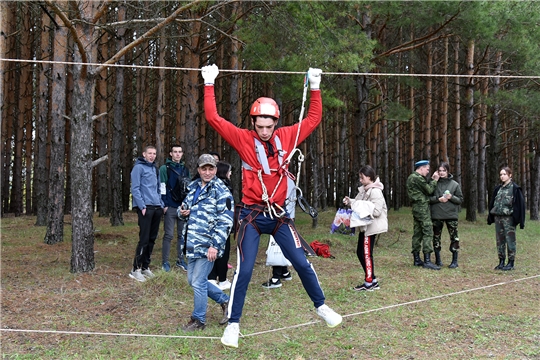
x: 419, y: 189
x: 445, y: 203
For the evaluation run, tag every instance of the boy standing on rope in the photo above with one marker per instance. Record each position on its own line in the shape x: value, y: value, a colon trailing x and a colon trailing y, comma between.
x: 264, y: 190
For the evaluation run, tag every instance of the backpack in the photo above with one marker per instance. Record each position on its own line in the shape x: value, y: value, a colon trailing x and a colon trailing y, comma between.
x: 321, y: 249
x: 180, y: 189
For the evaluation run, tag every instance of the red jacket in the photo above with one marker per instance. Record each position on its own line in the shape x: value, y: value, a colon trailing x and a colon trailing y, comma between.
x: 243, y: 141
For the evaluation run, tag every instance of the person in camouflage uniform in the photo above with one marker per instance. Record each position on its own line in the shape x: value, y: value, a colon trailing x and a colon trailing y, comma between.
x: 445, y: 203
x: 507, y: 210
x: 419, y: 189
x: 208, y: 212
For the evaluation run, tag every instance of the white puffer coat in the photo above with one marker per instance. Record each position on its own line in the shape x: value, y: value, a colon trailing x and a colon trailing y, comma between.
x: 373, y: 192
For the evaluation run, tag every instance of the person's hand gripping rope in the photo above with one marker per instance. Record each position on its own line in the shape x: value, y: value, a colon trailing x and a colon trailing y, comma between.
x: 209, y: 74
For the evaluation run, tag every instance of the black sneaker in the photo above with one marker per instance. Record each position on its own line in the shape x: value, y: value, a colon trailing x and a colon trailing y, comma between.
x: 287, y: 277
x: 193, y: 325
x: 365, y: 287
x: 271, y: 284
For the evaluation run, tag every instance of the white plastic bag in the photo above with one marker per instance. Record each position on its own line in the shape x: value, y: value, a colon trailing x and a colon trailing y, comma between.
x: 274, y: 255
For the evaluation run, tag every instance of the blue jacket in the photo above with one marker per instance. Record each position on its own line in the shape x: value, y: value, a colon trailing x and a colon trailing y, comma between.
x: 145, y: 184
x: 210, y: 220
x: 168, y: 183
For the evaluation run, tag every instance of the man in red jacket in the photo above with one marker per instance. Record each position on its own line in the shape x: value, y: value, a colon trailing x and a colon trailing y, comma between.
x: 264, y: 151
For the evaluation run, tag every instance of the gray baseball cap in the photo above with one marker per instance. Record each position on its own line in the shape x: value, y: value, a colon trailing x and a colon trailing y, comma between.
x: 206, y: 159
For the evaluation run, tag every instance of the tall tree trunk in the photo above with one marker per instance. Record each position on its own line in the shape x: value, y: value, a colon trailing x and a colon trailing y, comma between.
x: 101, y: 131
x: 482, y: 150
x: 7, y: 110
x: 82, y: 254
x: 43, y: 113
x: 117, y: 130
x: 457, y: 118
x: 427, y: 143
x: 493, y: 151
x: 444, y: 108
x: 160, y: 111
x: 55, y: 207
x: 471, y: 188
x: 534, y: 148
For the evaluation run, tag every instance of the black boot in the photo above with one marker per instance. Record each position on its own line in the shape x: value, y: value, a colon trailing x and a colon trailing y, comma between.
x: 453, y: 264
x: 509, y: 266
x: 438, y: 261
x: 428, y: 264
x: 417, y: 261
x: 501, y: 264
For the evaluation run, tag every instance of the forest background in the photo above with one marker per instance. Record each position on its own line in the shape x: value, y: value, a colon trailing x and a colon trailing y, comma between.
x: 85, y: 85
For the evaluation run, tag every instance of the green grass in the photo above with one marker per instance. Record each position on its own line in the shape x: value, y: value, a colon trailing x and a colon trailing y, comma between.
x: 417, y: 314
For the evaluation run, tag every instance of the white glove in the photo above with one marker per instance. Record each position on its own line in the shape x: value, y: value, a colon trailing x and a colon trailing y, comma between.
x: 209, y: 73
x: 314, y: 77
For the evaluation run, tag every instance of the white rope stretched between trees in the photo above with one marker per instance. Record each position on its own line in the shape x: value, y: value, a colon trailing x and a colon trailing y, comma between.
x: 274, y: 71
x: 271, y: 330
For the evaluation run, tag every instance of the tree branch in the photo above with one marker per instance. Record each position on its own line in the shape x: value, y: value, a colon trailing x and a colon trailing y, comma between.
x: 101, y: 11
x: 406, y: 47
x: 99, y: 161
x: 69, y: 25
x: 146, y: 35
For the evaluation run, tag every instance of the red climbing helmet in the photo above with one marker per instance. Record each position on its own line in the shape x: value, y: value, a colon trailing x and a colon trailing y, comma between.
x: 264, y: 106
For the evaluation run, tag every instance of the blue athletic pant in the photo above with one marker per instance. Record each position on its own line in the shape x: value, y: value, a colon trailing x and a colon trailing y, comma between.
x: 247, y: 249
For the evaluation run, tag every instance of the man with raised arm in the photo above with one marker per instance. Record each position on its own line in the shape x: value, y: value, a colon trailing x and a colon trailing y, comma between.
x: 264, y: 151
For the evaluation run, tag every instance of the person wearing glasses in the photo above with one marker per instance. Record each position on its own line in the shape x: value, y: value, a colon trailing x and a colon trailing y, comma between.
x: 445, y: 203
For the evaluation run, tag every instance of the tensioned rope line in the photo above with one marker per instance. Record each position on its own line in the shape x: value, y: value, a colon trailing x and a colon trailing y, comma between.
x: 271, y: 330
x: 275, y: 71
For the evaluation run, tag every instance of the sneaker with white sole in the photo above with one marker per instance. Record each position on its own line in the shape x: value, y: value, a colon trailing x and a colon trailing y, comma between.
x: 147, y: 273
x: 224, y: 285
x: 136, y: 274
x: 287, y: 277
x: 366, y: 287
x: 272, y: 284
x: 230, y: 335
x: 213, y: 281
x: 331, y: 317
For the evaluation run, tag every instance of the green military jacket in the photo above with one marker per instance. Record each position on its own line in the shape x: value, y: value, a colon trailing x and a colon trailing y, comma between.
x: 419, y: 189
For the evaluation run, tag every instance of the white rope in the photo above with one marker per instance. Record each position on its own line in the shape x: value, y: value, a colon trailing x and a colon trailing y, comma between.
x: 271, y: 330
x: 275, y: 71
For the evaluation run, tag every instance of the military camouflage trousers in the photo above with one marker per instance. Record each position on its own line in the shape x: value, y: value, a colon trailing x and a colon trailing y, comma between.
x: 506, y: 236
x: 452, y: 226
x: 422, y: 239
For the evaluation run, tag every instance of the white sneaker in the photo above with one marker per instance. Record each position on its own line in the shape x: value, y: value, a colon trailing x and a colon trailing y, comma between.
x: 331, y: 317
x: 230, y: 335
x: 148, y: 274
x: 224, y: 285
x: 137, y: 275
x: 213, y: 282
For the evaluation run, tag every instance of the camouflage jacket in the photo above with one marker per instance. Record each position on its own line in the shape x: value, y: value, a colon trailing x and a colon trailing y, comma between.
x: 419, y: 189
x: 518, y: 206
x: 210, y: 220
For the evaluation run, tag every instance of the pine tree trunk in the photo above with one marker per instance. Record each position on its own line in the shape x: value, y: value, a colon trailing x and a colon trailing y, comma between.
x: 55, y: 207
x: 117, y: 131
x: 471, y: 175
x: 534, y: 148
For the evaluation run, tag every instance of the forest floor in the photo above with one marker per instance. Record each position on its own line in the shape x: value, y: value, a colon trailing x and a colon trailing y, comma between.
x: 472, y: 312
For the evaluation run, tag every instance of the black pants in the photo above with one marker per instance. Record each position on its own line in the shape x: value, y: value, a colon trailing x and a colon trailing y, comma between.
x: 278, y: 271
x: 219, y: 271
x: 364, y: 251
x: 148, y: 232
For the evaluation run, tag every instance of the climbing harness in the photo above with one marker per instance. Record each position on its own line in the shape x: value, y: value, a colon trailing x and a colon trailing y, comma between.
x: 275, y: 209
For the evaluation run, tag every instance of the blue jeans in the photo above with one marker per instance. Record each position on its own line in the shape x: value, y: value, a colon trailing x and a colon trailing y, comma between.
x: 197, y: 274
x: 169, y: 220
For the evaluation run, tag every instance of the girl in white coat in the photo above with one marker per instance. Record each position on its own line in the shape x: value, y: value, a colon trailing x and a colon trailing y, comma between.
x: 371, y: 190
